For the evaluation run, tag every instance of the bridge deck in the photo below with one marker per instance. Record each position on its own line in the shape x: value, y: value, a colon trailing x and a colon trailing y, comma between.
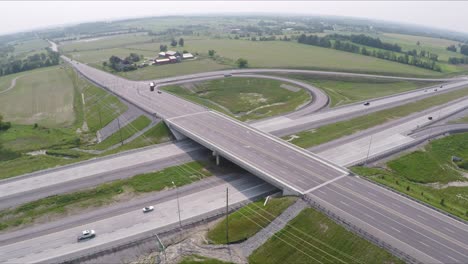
x: 276, y: 161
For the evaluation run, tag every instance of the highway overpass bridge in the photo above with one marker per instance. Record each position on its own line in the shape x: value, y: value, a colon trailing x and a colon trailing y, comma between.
x: 291, y: 169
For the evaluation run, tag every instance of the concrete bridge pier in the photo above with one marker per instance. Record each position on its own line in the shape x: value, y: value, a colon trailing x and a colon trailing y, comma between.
x: 215, y: 154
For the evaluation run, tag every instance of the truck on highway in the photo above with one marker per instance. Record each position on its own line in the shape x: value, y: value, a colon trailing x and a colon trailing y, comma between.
x: 152, y: 85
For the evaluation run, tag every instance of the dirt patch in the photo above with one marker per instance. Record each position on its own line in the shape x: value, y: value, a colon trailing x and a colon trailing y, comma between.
x: 323, y: 228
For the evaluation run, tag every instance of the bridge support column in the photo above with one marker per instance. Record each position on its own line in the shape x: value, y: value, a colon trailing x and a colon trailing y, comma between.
x: 215, y: 154
x: 175, y: 133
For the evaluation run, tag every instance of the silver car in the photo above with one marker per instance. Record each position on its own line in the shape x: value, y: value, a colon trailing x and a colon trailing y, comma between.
x: 86, y: 234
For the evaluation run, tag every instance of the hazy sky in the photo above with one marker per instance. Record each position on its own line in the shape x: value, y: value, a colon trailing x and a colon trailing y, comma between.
x: 20, y: 16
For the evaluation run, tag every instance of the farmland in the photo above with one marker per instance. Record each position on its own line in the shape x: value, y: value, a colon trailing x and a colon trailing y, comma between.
x: 268, y: 54
x: 43, y: 96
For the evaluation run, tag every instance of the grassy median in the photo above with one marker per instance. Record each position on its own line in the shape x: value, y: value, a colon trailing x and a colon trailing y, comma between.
x: 103, y: 194
x: 197, y: 259
x: 312, y: 237
x: 314, y: 137
x: 248, y: 220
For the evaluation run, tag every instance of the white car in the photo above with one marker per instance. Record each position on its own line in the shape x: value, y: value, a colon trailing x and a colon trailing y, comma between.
x: 86, y: 234
x: 148, y: 209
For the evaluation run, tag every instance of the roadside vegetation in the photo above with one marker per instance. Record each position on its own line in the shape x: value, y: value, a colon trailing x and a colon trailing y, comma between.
x: 248, y: 220
x: 47, y: 132
x: 314, y: 137
x: 347, y: 90
x: 312, y: 237
x: 429, y: 174
x: 244, y: 98
x: 124, y: 133
x: 197, y: 259
x: 104, y: 194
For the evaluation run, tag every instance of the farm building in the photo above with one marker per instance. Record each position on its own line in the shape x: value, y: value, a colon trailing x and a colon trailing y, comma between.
x: 162, y: 61
x: 162, y: 54
x: 187, y: 56
x: 171, y: 53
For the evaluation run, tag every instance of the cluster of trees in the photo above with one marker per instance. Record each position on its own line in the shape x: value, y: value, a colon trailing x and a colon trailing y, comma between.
x: 452, y: 48
x: 127, y: 64
x: 423, y: 54
x: 262, y: 38
x: 367, y: 41
x: 314, y: 40
x: 242, y: 63
x: 464, y: 49
x: 173, y: 43
x: 455, y: 60
x: 423, y: 60
x: 4, y: 125
x: 31, y: 62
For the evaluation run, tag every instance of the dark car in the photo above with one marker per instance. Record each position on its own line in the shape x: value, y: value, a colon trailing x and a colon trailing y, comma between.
x: 159, y: 92
x: 430, y: 118
x: 366, y: 103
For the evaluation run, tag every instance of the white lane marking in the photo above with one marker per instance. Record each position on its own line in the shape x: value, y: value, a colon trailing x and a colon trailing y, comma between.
x: 450, y: 230
x: 396, y: 205
x: 372, y: 194
x: 424, y: 244
x: 454, y: 259
x: 369, y: 216
x: 421, y: 217
x: 395, y: 229
x: 344, y: 203
x: 325, y: 183
x: 321, y: 191
x: 348, y: 183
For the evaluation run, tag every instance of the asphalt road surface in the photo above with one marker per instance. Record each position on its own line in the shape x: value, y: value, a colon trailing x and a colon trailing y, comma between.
x: 30, y: 187
x: 426, y: 235
x: 280, y: 163
x: 62, y: 244
x: 284, y: 125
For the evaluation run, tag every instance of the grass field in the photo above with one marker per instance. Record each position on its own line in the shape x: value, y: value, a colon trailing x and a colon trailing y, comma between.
x: 248, y: 220
x: 462, y: 120
x: 186, y: 67
x: 424, y: 174
x: 267, y: 54
x: 244, y: 98
x: 5, y: 81
x: 28, y: 46
x: 103, y: 194
x: 330, y: 132
x: 312, y: 237
x: 197, y: 259
x: 106, y: 42
x: 158, y: 134
x: 125, y: 132
x: 100, y: 107
x: 43, y: 96
x: 342, y: 90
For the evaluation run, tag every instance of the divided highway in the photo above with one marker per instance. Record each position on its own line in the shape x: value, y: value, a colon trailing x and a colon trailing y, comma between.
x: 406, y: 225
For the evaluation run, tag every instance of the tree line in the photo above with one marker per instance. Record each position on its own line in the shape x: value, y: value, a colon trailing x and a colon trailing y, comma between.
x: 126, y: 64
x: 31, y: 62
x: 367, y: 41
x: 456, y: 60
x: 422, y: 59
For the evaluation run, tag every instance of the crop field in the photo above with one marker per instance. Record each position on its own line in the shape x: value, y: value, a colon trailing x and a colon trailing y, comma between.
x: 312, y: 237
x: 30, y: 45
x: 342, y: 90
x: 430, y: 175
x: 248, y: 220
x: 43, y: 96
x: 105, y: 42
x: 244, y: 98
x: 266, y: 54
x: 185, y: 67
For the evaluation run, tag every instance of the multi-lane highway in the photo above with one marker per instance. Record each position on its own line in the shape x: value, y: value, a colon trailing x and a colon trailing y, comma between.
x: 57, y: 242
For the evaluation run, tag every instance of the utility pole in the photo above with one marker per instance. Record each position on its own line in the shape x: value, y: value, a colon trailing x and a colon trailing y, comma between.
x: 178, y: 205
x: 120, y: 131
x: 163, y: 248
x: 227, y: 216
